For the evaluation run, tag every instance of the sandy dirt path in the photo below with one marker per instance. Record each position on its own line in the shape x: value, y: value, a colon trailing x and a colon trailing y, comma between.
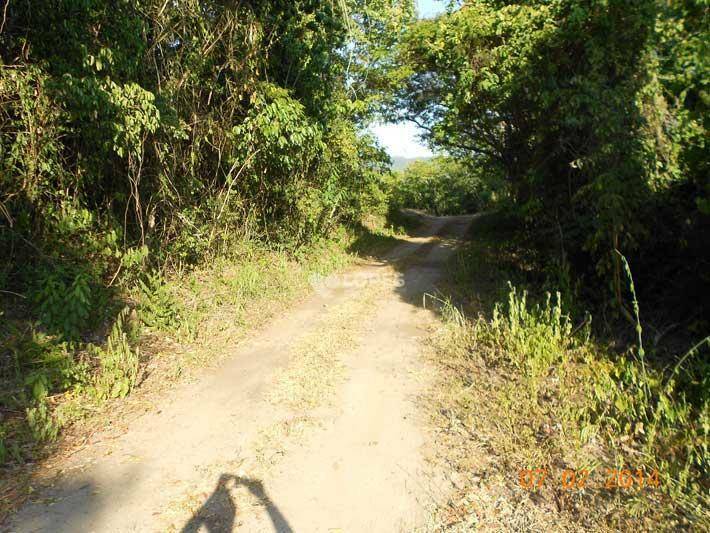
x: 312, y: 425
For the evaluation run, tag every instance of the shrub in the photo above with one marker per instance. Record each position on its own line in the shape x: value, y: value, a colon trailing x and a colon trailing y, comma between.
x: 558, y: 395
x: 118, y: 363
x: 442, y: 186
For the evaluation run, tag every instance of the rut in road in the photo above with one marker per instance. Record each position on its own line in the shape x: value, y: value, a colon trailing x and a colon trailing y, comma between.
x: 311, y: 425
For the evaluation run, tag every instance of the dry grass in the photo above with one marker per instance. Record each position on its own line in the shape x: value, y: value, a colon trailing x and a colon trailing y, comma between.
x: 315, y: 367
x: 220, y: 305
x: 483, y: 438
x: 520, y: 390
x: 311, y: 379
x: 307, y: 383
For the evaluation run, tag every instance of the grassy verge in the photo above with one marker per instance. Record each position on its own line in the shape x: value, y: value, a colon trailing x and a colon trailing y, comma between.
x: 54, y: 392
x: 547, y: 426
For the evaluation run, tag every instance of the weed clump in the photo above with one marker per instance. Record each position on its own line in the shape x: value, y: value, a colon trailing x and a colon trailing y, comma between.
x: 539, y: 394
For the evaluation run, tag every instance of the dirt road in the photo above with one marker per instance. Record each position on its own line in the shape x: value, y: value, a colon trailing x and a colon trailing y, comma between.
x: 312, y: 425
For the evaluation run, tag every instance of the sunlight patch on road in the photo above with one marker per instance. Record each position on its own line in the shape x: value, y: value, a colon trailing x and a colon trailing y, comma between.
x: 311, y: 379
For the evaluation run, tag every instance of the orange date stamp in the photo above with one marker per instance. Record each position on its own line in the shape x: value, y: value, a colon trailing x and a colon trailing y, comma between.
x: 609, y: 478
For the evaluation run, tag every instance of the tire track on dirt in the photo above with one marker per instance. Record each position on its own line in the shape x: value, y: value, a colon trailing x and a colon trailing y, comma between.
x: 128, y: 483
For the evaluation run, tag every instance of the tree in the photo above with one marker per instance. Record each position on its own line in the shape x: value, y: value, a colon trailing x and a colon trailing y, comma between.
x: 589, y: 108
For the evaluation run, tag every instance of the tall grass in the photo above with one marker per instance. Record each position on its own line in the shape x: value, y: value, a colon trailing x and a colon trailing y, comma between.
x: 542, y: 393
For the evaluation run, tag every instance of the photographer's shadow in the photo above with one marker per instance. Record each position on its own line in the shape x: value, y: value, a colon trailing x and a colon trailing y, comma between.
x: 218, y: 513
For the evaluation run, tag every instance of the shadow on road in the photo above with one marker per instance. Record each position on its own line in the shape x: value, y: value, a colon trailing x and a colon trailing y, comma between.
x: 421, y: 261
x: 418, y: 268
x: 219, y: 512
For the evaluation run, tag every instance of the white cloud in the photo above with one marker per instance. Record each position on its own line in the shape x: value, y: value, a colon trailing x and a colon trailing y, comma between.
x: 400, y: 140
x: 431, y: 8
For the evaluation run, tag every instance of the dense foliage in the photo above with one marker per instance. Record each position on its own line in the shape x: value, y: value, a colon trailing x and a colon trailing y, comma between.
x: 596, y: 114
x: 442, y: 186
x: 138, y: 135
x: 131, y: 124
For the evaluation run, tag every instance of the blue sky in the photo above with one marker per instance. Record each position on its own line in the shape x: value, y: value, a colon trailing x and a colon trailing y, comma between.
x: 400, y: 140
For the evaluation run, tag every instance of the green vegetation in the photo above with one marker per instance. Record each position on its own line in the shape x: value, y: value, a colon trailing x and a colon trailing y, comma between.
x: 555, y: 398
x: 164, y: 165
x: 594, y: 114
x: 142, y: 141
x: 441, y: 186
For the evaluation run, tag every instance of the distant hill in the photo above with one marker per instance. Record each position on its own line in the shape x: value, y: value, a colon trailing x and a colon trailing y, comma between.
x: 398, y: 163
